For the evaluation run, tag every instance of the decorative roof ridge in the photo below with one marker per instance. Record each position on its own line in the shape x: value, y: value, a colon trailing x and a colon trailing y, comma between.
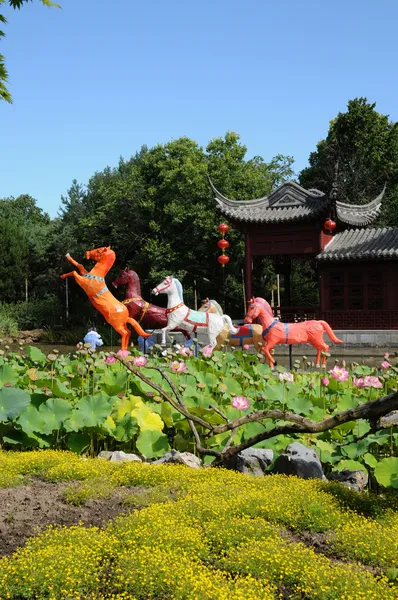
x: 362, y: 207
x: 264, y: 200
x: 221, y: 199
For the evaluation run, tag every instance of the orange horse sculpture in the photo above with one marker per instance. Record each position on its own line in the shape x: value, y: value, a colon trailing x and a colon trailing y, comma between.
x: 93, y: 283
x: 275, y: 332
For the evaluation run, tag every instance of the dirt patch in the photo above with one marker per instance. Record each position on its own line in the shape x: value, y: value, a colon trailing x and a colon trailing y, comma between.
x: 28, y: 509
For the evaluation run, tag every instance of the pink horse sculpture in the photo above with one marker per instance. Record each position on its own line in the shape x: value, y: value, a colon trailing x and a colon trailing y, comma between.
x: 275, y: 332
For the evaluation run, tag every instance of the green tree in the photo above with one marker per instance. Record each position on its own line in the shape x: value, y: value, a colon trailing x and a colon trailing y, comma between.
x: 158, y: 212
x: 4, y: 93
x: 364, y: 143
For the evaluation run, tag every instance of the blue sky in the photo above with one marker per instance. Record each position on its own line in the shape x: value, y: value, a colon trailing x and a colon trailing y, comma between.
x: 97, y: 79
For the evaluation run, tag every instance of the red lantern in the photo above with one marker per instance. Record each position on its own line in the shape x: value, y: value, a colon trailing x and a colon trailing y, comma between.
x: 223, y: 259
x: 223, y: 228
x: 223, y: 244
x: 329, y: 225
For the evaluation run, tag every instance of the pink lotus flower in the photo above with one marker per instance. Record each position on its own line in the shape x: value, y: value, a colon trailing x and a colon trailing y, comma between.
x: 110, y: 360
x: 372, y: 381
x: 339, y: 373
x: 178, y: 367
x: 79, y: 345
x: 324, y: 381
x: 343, y: 363
x: 140, y: 361
x: 240, y: 402
x: 123, y: 353
x: 207, y: 351
x: 286, y: 377
x: 360, y: 383
x: 246, y: 347
x: 385, y: 364
x: 186, y: 351
x: 386, y: 355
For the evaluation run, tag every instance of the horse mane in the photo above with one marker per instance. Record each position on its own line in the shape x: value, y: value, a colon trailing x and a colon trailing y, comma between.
x: 217, y: 306
x: 179, y: 289
x: 266, y: 306
x: 136, y: 280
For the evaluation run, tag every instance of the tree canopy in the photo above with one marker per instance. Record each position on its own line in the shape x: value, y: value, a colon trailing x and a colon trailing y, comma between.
x: 4, y: 93
x: 364, y: 144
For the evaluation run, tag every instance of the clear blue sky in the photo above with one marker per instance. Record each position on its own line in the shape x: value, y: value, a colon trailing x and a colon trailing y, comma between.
x: 97, y: 79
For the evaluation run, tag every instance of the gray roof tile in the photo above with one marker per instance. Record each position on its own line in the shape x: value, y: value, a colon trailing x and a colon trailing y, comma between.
x: 357, y: 244
x: 291, y: 202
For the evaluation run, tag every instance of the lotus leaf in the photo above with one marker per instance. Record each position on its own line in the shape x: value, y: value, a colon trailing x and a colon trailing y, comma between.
x: 114, y: 382
x: 78, y: 442
x: 36, y: 355
x: 8, y: 374
x: 94, y: 410
x: 147, y: 419
x: 125, y: 429
x: 152, y: 443
x: 386, y: 472
x: 30, y: 421
x: 12, y: 402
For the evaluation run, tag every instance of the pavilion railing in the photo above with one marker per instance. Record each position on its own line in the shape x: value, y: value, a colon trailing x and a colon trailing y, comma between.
x: 360, y: 319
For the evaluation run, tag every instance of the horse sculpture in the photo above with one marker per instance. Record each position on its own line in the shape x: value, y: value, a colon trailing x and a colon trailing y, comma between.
x: 148, y: 314
x: 93, y: 283
x: 178, y: 314
x: 275, y: 332
x: 247, y: 334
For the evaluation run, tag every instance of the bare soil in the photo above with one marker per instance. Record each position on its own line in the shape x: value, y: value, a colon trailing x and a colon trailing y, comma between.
x: 28, y: 509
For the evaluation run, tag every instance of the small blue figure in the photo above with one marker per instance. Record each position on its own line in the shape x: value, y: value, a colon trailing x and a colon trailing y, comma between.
x: 93, y: 338
x: 146, y: 343
x: 188, y: 343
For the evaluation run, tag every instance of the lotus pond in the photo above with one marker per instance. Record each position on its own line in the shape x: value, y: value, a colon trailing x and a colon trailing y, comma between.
x: 87, y: 402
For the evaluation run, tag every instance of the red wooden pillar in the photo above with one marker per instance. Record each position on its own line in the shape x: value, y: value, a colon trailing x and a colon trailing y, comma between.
x: 248, y: 266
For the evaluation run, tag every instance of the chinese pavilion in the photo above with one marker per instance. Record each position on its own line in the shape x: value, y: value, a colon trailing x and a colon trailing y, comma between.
x: 356, y: 263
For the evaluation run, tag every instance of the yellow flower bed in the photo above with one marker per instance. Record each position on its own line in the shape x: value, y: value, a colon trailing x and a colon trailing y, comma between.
x: 221, y: 536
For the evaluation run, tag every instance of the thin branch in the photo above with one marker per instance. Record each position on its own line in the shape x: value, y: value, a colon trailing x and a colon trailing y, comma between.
x: 181, y: 402
x: 218, y: 411
x: 165, y: 395
x: 229, y: 440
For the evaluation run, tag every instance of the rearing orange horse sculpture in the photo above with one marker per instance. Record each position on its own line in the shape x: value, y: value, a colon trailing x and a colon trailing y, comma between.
x: 93, y: 283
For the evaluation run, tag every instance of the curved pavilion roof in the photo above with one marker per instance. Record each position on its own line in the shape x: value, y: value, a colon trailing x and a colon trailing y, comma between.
x: 291, y: 202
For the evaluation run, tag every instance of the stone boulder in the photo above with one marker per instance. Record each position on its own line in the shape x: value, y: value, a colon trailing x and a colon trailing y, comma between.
x: 299, y: 460
x: 355, y: 480
x: 252, y: 461
x: 119, y: 456
x: 179, y: 458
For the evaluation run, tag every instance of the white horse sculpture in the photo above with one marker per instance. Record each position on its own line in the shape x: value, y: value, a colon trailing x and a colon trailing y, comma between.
x: 179, y: 315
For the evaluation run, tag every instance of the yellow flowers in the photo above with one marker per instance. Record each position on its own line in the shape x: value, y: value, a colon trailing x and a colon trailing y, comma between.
x: 203, y: 535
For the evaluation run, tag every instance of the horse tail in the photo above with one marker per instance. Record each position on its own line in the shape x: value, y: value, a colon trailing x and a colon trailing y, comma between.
x: 137, y: 328
x: 228, y: 321
x: 330, y: 333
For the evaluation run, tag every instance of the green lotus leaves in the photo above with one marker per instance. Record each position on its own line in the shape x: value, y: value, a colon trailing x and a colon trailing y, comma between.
x: 8, y: 374
x: 78, y: 442
x: 125, y: 429
x: 31, y: 420
x: 93, y: 410
x: 54, y: 412
x: 12, y: 402
x: 114, y: 382
x: 386, y: 472
x: 152, y: 443
x: 36, y: 355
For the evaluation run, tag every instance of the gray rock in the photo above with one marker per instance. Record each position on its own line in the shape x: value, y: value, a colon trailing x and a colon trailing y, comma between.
x: 252, y: 461
x: 119, y: 456
x: 179, y: 458
x: 355, y: 480
x: 300, y: 461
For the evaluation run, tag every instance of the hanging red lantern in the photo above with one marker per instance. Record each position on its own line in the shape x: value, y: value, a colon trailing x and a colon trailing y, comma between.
x: 223, y: 260
x: 223, y: 244
x: 223, y: 228
x: 329, y: 225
